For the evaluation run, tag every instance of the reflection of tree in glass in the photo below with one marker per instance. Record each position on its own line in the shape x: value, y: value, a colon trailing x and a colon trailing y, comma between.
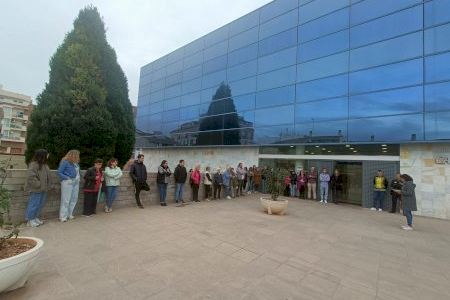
x: 221, y: 115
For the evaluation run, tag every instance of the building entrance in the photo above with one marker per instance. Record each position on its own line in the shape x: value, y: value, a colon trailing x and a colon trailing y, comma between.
x: 352, y: 173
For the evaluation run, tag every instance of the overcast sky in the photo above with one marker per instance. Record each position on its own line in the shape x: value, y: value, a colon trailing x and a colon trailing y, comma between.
x: 139, y: 30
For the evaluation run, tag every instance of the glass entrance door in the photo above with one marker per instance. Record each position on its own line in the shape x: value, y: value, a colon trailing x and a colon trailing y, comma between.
x: 352, y: 175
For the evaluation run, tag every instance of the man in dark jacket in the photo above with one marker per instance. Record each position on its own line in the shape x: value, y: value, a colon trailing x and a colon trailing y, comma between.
x: 180, y: 176
x: 396, y: 184
x: 138, y: 173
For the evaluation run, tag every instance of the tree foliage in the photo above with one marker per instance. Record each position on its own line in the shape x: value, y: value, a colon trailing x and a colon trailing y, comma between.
x: 85, y: 104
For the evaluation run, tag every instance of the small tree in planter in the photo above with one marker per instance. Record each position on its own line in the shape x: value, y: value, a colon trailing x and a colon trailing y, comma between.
x: 275, y: 188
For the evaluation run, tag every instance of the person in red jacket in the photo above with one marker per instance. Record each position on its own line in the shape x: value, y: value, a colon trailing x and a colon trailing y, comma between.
x: 196, y: 178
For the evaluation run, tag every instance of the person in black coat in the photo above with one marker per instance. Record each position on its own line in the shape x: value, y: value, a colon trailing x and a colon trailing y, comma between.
x: 396, y: 184
x: 180, y: 175
x: 138, y: 173
x: 337, y: 186
x: 217, y: 184
x: 93, y: 179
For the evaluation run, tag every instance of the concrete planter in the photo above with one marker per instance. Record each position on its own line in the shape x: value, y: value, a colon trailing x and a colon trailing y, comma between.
x: 14, y: 271
x: 278, y: 207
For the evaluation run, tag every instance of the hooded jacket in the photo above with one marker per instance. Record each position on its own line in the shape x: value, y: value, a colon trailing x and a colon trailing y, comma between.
x: 138, y: 172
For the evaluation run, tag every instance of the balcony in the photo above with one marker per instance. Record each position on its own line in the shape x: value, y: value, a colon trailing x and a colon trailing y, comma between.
x: 19, y: 127
x: 20, y: 117
x: 13, y: 139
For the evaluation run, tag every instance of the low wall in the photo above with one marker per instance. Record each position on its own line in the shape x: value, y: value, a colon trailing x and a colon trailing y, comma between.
x: 15, y: 183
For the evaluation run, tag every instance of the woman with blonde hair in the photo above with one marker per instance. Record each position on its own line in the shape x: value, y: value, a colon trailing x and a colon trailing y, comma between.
x: 69, y: 173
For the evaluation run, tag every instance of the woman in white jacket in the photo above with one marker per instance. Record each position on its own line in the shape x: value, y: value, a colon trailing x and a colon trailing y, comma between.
x: 112, y: 180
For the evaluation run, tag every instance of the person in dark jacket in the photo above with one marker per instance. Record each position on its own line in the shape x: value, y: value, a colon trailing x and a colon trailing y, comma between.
x: 337, y: 186
x: 217, y: 184
x: 380, y: 185
x: 162, y: 179
x: 408, y: 199
x: 396, y: 184
x: 180, y: 175
x: 138, y: 173
x: 293, y: 186
x: 92, y: 183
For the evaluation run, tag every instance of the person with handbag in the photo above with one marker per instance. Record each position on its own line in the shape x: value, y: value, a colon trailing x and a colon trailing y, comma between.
x: 93, y: 179
x: 138, y: 173
x: 163, y: 179
x: 113, y: 173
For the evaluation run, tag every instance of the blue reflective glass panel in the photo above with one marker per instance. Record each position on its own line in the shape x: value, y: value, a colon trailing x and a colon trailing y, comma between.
x: 327, y: 45
x: 246, y: 22
x: 216, y: 50
x: 192, y: 86
x: 278, y: 96
x: 190, y: 99
x: 437, y: 12
x: 192, y: 73
x: 244, y: 102
x: 242, y: 55
x: 244, y: 86
x: 401, y: 101
x: 214, y: 79
x: 323, y: 67
x: 155, y: 122
x: 193, y: 47
x: 323, y: 88
x: 331, y: 109
x: 243, y: 39
x: 383, y: 28
x: 277, y: 42
x: 386, y: 77
x: 321, y: 132
x: 437, y: 39
x: 274, y: 134
x: 171, y: 115
x: 193, y: 60
x: 393, y: 50
x: 405, y: 127
x: 437, y: 67
x: 189, y: 113
x: 325, y: 25
x: 157, y: 96
x: 274, y: 116
x: 277, y: 60
x: 168, y: 127
x: 371, y: 9
x: 172, y: 91
x: 174, y: 68
x: 319, y: 8
x: 171, y: 103
x: 276, y: 8
x: 216, y: 36
x: 279, y: 24
x: 158, y: 84
x: 437, y: 96
x: 174, y: 79
x: 215, y: 64
x: 276, y: 78
x: 242, y: 71
x: 437, y: 126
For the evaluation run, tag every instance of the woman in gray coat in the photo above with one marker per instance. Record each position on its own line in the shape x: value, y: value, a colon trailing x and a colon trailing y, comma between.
x: 408, y: 199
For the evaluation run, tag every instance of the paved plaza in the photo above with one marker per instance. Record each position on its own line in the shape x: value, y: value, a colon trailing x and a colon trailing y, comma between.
x: 229, y: 249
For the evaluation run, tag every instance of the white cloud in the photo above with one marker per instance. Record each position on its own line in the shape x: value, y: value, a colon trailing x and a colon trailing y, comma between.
x: 140, y: 31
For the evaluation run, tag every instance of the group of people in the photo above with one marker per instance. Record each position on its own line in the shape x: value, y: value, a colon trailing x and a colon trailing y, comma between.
x: 304, y: 185
x: 96, y: 180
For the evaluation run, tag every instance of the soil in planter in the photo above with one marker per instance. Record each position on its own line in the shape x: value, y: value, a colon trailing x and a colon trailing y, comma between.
x: 15, y: 247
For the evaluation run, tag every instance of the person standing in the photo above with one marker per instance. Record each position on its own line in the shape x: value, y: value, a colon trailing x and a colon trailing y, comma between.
x: 337, y: 186
x: 113, y: 173
x: 301, y: 184
x: 324, y: 185
x: 163, y: 179
x: 226, y: 179
x: 408, y: 199
x: 380, y: 184
x: 217, y: 183
x: 264, y: 177
x: 180, y: 175
x: 241, y: 174
x: 396, y: 184
x: 138, y: 173
x: 287, y: 185
x: 39, y: 182
x: 196, y: 178
x: 257, y: 179
x: 293, y: 183
x: 93, y: 179
x: 312, y: 183
x: 207, y: 183
x: 69, y: 173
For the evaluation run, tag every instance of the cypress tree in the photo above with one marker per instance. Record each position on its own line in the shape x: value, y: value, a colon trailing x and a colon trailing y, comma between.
x: 85, y: 104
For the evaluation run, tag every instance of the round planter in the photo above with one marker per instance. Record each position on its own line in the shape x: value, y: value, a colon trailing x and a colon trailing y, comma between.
x: 278, y: 207
x: 14, y: 271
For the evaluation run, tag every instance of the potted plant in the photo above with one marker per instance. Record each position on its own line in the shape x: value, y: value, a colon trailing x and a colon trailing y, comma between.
x: 17, y: 255
x: 274, y: 205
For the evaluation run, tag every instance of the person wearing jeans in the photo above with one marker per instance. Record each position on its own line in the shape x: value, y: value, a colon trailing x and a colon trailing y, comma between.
x: 324, y: 179
x: 38, y: 183
x: 112, y: 180
x: 226, y: 178
x: 217, y: 184
x: 380, y: 185
x: 138, y: 173
x: 312, y: 183
x: 241, y: 173
x: 69, y: 173
x: 180, y: 175
x: 162, y: 179
x: 408, y: 199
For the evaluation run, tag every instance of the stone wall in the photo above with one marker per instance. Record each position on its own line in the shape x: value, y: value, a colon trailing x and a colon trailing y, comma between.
x: 205, y: 156
x: 428, y: 164
x: 15, y: 182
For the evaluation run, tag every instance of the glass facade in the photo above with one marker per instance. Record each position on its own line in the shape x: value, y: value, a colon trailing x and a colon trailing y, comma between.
x: 306, y: 71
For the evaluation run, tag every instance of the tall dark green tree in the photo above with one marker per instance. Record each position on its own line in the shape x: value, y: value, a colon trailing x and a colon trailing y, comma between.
x: 85, y: 104
x: 221, y: 115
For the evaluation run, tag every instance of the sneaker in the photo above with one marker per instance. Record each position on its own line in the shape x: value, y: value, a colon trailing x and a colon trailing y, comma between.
x: 380, y: 209
x: 106, y: 209
x: 321, y: 201
x: 86, y: 216
x: 71, y: 217
x: 207, y: 200
x: 63, y: 220
x: 32, y: 223
x: 141, y: 206
x: 179, y: 204
x: 407, y: 227
x: 326, y: 202
x: 39, y: 221
x: 373, y: 208
x: 228, y: 197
